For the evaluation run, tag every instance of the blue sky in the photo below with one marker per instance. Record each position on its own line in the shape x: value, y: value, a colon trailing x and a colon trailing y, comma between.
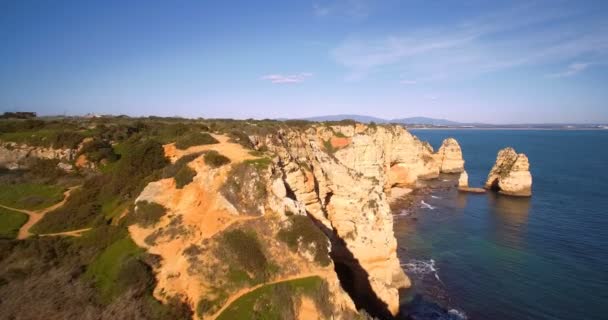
x: 468, y: 60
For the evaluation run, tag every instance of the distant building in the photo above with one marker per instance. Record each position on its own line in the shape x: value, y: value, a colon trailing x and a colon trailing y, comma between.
x: 18, y: 115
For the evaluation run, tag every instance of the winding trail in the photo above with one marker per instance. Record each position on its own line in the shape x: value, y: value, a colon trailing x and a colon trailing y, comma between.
x: 245, y: 291
x: 35, y: 216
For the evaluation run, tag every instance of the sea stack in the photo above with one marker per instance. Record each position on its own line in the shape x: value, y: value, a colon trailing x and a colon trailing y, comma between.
x: 510, y: 174
x: 449, y: 156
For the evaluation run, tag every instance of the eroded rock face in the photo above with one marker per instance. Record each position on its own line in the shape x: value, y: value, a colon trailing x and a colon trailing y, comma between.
x: 12, y: 155
x: 343, y: 186
x: 450, y: 156
x: 510, y: 174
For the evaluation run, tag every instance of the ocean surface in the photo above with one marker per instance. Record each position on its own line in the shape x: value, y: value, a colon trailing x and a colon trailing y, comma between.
x: 501, y: 258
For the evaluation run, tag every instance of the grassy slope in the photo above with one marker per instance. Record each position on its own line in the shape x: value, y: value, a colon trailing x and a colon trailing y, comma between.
x: 106, y: 267
x: 10, y: 222
x: 243, y: 308
x: 30, y: 196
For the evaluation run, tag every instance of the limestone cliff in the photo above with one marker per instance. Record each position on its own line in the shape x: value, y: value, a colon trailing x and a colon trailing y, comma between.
x: 510, y: 174
x: 341, y: 174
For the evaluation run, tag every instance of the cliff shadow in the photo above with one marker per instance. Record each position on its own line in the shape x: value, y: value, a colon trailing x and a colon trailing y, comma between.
x: 353, y: 278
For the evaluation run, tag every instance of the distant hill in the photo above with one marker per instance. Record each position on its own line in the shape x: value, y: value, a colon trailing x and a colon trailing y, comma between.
x: 427, y: 121
x: 338, y: 117
x: 367, y: 119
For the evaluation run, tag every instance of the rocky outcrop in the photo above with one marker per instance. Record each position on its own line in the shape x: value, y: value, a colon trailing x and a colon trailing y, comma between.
x: 463, y: 180
x: 510, y: 174
x: 13, y: 155
x: 449, y: 156
x: 463, y: 184
x: 343, y: 187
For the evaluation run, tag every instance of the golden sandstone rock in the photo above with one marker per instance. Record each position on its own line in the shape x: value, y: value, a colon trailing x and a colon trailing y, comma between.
x: 510, y: 174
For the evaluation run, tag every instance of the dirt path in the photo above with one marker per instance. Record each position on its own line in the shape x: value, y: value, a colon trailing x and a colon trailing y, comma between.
x: 245, y: 291
x: 72, y: 233
x: 35, y: 216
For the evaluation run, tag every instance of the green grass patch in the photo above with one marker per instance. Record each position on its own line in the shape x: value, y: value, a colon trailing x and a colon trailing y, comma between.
x: 10, y: 222
x: 30, y: 196
x: 276, y: 301
x: 194, y: 139
x: 260, y: 164
x: 107, y: 269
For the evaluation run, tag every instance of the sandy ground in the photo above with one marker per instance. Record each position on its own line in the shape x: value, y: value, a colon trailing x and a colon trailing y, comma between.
x: 202, y: 211
x: 235, y: 152
x: 205, y: 213
x: 307, y: 309
x: 35, y: 216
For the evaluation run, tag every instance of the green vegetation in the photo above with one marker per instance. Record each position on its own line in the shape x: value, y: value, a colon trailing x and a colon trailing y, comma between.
x: 147, y: 214
x: 10, y: 222
x: 215, y: 160
x: 142, y: 164
x: 329, y: 148
x: 29, y: 195
x: 245, y: 250
x: 97, y: 150
x: 194, y: 139
x: 339, y: 134
x: 259, y: 164
x: 209, y: 306
x: 276, y: 301
x: 108, y: 269
x: 245, y: 186
x: 184, y: 176
x: 303, y: 232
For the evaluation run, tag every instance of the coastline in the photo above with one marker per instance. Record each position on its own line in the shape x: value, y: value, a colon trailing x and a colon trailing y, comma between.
x: 428, y: 297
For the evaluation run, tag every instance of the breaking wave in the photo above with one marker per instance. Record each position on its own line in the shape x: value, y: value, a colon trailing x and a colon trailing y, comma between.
x: 422, y: 267
x: 426, y: 205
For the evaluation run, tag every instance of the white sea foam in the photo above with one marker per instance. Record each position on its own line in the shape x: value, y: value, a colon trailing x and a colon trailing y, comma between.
x: 422, y: 267
x: 426, y: 205
x: 403, y: 213
x: 458, y: 313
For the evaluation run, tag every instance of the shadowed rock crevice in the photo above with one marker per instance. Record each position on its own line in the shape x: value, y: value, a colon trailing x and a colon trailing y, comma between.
x: 353, y: 278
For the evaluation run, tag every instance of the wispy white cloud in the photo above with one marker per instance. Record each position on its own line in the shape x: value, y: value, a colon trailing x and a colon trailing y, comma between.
x: 408, y: 81
x: 320, y: 10
x: 572, y: 69
x: 486, y: 44
x: 347, y: 8
x: 287, y: 78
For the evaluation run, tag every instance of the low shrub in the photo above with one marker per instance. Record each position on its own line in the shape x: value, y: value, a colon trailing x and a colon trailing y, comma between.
x: 215, y: 160
x: 97, y: 150
x: 246, y: 250
x: 245, y: 187
x: 184, y: 176
x: 67, y: 139
x: 303, y: 234
x: 147, y: 214
x: 194, y: 139
x: 171, y: 170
